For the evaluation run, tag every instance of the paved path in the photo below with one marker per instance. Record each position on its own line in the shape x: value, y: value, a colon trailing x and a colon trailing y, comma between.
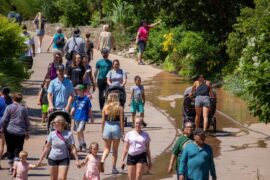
x: 161, y: 131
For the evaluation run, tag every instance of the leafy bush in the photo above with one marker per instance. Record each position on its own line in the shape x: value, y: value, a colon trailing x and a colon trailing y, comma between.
x: 250, y: 59
x: 12, y: 70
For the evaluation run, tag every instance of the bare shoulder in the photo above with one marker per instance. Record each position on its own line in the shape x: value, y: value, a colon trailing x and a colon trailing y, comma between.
x: 208, y: 83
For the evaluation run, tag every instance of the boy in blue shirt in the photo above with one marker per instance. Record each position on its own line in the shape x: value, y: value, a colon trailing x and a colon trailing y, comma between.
x: 81, y: 111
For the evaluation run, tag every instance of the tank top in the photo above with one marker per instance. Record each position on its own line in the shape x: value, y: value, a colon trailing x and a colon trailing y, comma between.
x: 117, y: 118
x: 202, y: 90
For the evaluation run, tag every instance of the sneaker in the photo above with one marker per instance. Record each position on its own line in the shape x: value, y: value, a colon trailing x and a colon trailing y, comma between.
x: 115, y: 171
x: 84, y: 147
x: 39, y: 50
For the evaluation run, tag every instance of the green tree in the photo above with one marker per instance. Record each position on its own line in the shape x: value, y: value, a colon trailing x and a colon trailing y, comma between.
x: 11, y: 69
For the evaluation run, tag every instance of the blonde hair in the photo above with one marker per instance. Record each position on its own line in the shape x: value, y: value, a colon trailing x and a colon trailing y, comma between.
x: 23, y: 154
x: 61, y: 120
x: 93, y: 144
x: 113, y: 105
x: 39, y: 20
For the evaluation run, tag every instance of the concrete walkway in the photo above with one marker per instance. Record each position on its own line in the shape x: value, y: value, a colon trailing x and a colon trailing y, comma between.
x: 161, y: 131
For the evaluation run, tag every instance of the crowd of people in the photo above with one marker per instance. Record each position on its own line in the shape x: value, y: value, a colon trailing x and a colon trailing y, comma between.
x: 68, y: 87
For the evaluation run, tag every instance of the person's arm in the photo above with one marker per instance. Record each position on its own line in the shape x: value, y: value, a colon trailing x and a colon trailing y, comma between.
x: 14, y: 173
x: 143, y: 96
x: 85, y: 161
x: 33, y: 47
x: 99, y: 39
x: 91, y: 115
x: 124, y: 79
x: 137, y: 36
x: 72, y: 111
x: 92, y: 80
x: 50, y: 45
x: 172, y: 160
x: 183, y: 163
x: 122, y: 121
x: 175, y: 152
x: 75, y: 154
x: 40, y: 94
x: 113, y: 43
x: 125, y: 152
x: 34, y: 21
x: 50, y: 97
x: 154, y: 24
x: 148, y: 152
x: 131, y: 96
x: 27, y: 124
x: 44, y: 153
x: 212, y: 166
x: 70, y: 99
x: 211, y: 93
x: 109, y: 81
x: 194, y: 86
x: 103, y: 120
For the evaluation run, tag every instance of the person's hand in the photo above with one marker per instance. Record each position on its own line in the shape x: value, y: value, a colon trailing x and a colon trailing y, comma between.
x: 123, y: 165
x: 26, y: 136
x: 92, y: 120
x: 170, y: 169
x: 149, y: 165
x: 181, y: 177
x: 51, y: 108
x: 38, y: 163
x: 39, y: 103
x: 67, y: 109
x: 48, y: 49
x: 78, y: 164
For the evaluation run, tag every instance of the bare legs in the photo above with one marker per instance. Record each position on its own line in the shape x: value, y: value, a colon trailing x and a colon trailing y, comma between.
x: 140, y: 57
x: 135, y: 171
x: 107, y: 148
x: 199, y: 111
x: 40, y: 39
x: 59, y: 172
x: 2, y: 145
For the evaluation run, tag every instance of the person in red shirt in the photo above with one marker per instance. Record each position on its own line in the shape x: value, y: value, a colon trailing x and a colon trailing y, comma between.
x: 142, y: 36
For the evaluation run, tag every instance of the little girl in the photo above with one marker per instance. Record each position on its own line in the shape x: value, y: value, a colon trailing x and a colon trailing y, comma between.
x: 22, y: 167
x: 93, y: 165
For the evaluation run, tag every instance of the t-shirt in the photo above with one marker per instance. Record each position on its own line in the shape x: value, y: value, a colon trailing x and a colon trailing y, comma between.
x: 44, y: 99
x: 76, y: 74
x: 29, y: 41
x: 76, y: 44
x: 105, y: 40
x: 143, y: 33
x: 197, y: 161
x: 22, y: 170
x: 59, y: 148
x: 137, y: 92
x: 137, y: 142
x: 2, y: 109
x: 61, y: 91
x: 55, y: 38
x: 103, y: 66
x: 82, y: 106
x: 178, y: 147
x: 42, y: 23
x: 116, y: 76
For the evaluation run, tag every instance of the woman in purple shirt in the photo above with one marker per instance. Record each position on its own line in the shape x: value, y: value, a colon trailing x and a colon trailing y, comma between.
x: 137, y: 143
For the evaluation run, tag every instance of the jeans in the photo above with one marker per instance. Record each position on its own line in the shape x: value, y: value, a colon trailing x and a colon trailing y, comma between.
x: 102, y: 86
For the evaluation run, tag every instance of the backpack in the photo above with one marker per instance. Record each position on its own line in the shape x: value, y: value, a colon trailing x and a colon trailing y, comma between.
x: 15, y: 16
x: 60, y: 41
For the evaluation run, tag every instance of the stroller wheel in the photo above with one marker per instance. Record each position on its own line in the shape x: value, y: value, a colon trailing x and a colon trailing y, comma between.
x: 215, y: 124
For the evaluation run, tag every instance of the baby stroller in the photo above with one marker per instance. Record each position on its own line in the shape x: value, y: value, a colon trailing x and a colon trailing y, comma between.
x: 55, y: 113
x: 122, y: 96
x: 189, y: 112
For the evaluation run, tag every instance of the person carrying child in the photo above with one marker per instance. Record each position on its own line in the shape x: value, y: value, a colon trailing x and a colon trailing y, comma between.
x: 93, y: 163
x: 43, y: 101
x: 22, y: 167
x: 137, y: 100
x: 81, y: 111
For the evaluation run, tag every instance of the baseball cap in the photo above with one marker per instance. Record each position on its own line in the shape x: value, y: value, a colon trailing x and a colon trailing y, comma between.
x: 80, y: 87
x: 61, y: 67
x: 199, y: 132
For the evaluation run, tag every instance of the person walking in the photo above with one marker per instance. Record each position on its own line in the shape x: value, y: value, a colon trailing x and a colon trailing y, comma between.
x: 58, y: 41
x: 43, y: 101
x: 59, y: 144
x: 60, y: 91
x: 137, y: 150
x: 179, y: 146
x: 89, y: 81
x: 197, y: 159
x: 76, y: 72
x: 6, y: 95
x: 112, y: 129
x: 40, y: 21
x: 81, y: 111
x: 74, y: 45
x: 142, y: 37
x: 92, y: 160
x: 27, y: 56
x: 2, y: 137
x: 53, y: 66
x: 106, y: 39
x: 89, y: 47
x: 103, y: 66
x: 14, y: 15
x: 203, y: 91
x: 116, y: 76
x: 137, y: 100
x: 16, y: 127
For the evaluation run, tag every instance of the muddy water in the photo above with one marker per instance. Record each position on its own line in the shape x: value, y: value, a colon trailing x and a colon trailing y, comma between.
x: 165, y: 91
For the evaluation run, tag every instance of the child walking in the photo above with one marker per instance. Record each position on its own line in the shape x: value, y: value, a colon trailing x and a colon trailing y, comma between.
x: 22, y: 167
x: 89, y: 47
x: 43, y: 101
x: 93, y: 163
x: 137, y: 100
x: 81, y: 111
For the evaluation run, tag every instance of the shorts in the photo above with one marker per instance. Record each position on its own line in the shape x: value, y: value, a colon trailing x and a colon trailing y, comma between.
x: 44, y: 108
x: 40, y: 32
x: 61, y: 162
x: 79, y: 126
x: 136, y: 106
x: 140, y: 158
x: 141, y: 46
x: 112, y: 130
x: 202, y: 101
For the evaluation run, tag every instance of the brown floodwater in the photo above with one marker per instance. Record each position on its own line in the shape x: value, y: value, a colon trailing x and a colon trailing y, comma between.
x: 165, y: 91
